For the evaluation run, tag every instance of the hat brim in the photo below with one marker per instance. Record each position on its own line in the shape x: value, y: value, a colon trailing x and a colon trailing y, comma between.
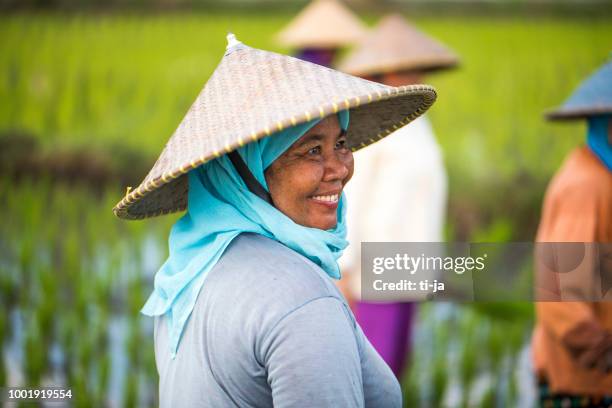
x: 425, y: 65
x: 373, y: 116
x: 577, y: 113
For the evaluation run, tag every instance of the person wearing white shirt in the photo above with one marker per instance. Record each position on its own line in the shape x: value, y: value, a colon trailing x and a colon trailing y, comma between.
x: 409, y: 206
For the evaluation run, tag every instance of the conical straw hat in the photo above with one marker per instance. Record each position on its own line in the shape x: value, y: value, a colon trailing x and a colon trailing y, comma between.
x: 593, y: 97
x: 253, y: 94
x: 322, y: 24
x: 394, y: 46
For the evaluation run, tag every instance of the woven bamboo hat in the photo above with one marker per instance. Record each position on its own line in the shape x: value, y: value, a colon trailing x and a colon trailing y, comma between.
x: 254, y: 93
x: 593, y: 97
x: 394, y: 46
x: 322, y: 24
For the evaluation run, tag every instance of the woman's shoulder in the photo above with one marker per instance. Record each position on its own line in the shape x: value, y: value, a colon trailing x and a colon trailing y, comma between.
x: 263, y: 270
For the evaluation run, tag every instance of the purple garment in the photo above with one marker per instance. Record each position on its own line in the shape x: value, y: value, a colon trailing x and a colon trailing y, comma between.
x: 388, y: 326
x: 321, y: 56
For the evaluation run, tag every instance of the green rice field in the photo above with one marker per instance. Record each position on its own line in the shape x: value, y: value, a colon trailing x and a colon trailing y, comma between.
x: 73, y: 278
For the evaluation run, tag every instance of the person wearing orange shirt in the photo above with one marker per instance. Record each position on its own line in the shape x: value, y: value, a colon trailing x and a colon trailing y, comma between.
x: 572, y: 340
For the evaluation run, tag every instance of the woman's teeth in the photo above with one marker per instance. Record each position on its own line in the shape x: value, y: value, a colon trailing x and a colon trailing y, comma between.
x: 329, y: 198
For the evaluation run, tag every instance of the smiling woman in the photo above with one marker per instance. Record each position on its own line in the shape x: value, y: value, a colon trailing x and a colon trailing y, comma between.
x: 246, y: 314
x: 307, y: 180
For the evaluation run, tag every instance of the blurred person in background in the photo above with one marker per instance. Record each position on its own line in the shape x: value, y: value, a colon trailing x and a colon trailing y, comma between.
x: 411, y: 205
x: 572, y: 341
x: 320, y: 30
x: 245, y: 310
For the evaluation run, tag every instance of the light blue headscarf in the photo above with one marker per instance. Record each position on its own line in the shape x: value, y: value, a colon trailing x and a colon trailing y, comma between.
x: 597, y: 139
x: 219, y: 208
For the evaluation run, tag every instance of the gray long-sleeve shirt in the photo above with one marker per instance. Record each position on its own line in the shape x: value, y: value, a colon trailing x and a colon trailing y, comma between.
x: 269, y: 328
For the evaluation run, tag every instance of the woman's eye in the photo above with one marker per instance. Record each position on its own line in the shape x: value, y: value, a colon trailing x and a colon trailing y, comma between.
x: 315, y: 150
x: 341, y: 144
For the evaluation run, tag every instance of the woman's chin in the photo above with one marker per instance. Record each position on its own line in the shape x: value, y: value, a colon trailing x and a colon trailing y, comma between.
x: 324, y: 223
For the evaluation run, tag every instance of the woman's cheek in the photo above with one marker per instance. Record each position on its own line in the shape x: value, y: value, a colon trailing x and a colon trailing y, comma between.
x: 313, y: 169
x: 318, y: 175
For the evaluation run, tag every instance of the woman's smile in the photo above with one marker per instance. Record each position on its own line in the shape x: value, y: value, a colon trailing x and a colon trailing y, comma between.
x: 329, y: 200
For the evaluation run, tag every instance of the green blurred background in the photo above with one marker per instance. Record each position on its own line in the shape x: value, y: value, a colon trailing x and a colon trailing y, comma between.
x: 89, y: 94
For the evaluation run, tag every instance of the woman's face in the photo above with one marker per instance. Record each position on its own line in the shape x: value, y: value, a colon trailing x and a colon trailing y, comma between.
x: 306, y: 181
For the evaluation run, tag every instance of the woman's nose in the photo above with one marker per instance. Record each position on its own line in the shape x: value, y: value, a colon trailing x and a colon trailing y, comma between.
x: 336, y: 167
